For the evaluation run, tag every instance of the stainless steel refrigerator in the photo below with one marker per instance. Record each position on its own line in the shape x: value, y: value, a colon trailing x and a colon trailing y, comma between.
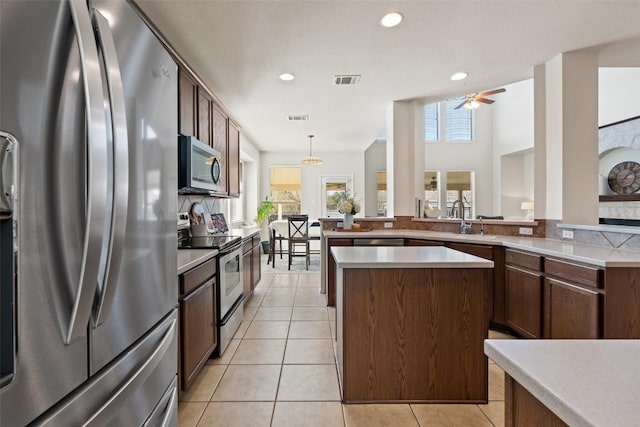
x: 88, y: 121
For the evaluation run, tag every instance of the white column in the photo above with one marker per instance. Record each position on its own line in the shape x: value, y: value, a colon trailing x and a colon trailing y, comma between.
x: 572, y: 138
x: 405, y: 158
x: 540, y: 143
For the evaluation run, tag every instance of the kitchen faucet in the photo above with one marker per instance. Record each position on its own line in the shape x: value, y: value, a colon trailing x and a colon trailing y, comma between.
x: 465, y: 228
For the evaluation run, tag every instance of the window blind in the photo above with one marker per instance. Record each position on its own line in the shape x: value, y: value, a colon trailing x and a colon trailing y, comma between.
x: 431, y: 116
x: 459, y: 122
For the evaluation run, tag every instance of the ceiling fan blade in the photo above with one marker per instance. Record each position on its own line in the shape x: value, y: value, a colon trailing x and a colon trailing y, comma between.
x: 492, y: 92
x: 460, y: 106
x: 486, y: 101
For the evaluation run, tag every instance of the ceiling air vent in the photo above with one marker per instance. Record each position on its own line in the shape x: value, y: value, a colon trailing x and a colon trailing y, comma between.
x: 346, y: 80
x: 298, y: 118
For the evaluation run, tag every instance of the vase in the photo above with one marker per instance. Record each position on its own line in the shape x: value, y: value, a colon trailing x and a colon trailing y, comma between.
x: 348, y: 221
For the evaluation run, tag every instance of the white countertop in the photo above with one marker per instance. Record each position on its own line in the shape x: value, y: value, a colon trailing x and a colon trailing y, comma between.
x: 244, y: 232
x: 584, y: 382
x: 588, y: 254
x: 189, y: 258
x: 405, y: 257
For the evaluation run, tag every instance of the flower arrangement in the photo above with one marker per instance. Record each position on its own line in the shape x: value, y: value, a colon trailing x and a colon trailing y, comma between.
x: 348, y: 204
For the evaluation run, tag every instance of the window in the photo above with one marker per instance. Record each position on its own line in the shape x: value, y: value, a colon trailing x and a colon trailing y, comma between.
x: 285, y: 187
x: 431, y: 127
x: 459, y: 122
x: 460, y: 187
x: 333, y: 187
x: 237, y: 205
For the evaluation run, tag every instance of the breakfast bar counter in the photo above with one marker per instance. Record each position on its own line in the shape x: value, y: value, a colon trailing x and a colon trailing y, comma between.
x: 410, y: 324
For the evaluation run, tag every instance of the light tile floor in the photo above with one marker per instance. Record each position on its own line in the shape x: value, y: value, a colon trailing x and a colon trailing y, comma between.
x: 279, y: 370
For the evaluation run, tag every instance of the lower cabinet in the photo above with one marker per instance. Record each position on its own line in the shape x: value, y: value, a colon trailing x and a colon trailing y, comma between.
x: 198, y: 337
x: 524, y: 301
x: 251, y: 268
x: 571, y: 311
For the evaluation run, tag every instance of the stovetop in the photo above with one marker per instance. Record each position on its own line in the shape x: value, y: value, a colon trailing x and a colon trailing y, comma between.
x: 218, y: 241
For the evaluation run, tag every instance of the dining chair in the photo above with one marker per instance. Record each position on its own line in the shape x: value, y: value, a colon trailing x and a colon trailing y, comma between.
x: 299, y: 238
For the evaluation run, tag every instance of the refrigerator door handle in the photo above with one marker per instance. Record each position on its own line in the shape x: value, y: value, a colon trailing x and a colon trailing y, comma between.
x: 113, y: 247
x: 8, y: 173
x: 96, y: 172
x: 122, y: 394
x: 168, y: 403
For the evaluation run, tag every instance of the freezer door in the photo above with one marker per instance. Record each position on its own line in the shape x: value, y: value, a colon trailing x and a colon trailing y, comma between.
x: 144, y: 287
x: 44, y: 105
x: 129, y: 391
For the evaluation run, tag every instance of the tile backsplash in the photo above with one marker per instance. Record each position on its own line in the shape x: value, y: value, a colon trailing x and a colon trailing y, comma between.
x: 210, y: 204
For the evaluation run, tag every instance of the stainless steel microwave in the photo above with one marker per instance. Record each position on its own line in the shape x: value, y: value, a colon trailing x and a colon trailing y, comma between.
x: 199, y: 167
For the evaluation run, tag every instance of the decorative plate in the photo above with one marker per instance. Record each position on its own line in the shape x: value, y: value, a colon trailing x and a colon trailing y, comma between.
x: 624, y: 178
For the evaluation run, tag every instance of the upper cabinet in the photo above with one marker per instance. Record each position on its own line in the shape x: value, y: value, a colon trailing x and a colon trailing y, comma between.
x: 187, y: 94
x: 201, y: 116
x: 205, y: 106
x: 219, y: 141
x: 234, y: 160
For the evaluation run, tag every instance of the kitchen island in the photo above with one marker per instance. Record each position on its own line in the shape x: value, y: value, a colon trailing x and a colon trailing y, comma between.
x: 569, y: 382
x: 410, y: 324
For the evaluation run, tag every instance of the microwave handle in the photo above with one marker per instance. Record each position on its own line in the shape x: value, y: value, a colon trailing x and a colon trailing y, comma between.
x: 215, y: 170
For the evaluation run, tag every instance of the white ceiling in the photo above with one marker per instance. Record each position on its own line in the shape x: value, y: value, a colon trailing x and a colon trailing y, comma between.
x: 238, y: 48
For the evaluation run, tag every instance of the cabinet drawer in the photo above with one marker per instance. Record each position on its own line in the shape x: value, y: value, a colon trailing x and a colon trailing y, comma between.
x: 523, y: 259
x: 197, y: 276
x: 256, y: 240
x: 247, y: 245
x: 585, y: 275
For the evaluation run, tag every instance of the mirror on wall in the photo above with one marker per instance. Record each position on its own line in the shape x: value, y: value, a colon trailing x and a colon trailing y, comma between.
x: 333, y: 186
x: 460, y: 192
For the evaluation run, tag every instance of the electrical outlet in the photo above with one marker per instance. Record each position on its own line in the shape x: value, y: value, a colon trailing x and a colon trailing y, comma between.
x: 527, y: 231
x: 340, y: 224
x: 388, y: 225
x: 567, y: 234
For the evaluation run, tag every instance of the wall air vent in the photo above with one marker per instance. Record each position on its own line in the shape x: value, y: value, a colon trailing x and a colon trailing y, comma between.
x: 298, y: 118
x: 340, y: 80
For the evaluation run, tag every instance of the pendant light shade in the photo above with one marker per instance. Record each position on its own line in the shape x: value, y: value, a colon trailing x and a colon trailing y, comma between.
x: 311, y: 159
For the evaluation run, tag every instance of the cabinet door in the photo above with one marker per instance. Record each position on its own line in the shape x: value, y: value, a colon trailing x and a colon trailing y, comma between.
x: 571, y: 311
x: 420, y: 242
x: 187, y: 109
x: 257, y: 268
x: 220, y: 136
x: 524, y: 302
x: 205, y: 104
x: 234, y: 160
x: 197, y: 312
x: 246, y: 275
x: 331, y: 269
x: 485, y: 252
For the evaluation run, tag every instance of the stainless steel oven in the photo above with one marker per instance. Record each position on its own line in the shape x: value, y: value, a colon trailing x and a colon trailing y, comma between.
x: 230, y: 294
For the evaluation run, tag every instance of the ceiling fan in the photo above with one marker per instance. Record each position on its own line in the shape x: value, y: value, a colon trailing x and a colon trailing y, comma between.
x: 472, y: 100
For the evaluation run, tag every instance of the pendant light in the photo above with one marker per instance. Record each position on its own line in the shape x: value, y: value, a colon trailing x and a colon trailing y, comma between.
x: 311, y: 159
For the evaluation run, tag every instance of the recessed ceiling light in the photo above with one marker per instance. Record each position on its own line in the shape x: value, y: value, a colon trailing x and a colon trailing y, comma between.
x: 391, y: 19
x: 287, y: 77
x: 459, y: 76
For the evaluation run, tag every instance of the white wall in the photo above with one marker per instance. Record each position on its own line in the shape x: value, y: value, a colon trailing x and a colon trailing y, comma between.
x: 472, y: 156
x: 250, y: 157
x: 342, y: 163
x: 619, y: 92
x: 375, y: 160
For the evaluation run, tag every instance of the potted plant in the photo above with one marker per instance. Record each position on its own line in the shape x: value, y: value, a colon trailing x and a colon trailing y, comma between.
x: 265, y: 209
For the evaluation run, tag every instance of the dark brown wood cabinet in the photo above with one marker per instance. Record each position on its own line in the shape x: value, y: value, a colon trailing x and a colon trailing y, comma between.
x: 198, y: 336
x: 234, y: 160
x: 187, y: 108
x: 420, y: 242
x: 205, y: 106
x: 220, y: 125
x: 523, y: 409
x: 622, y: 303
x: 523, y: 292
x: 331, y: 269
x: 571, y: 311
x: 251, y: 268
